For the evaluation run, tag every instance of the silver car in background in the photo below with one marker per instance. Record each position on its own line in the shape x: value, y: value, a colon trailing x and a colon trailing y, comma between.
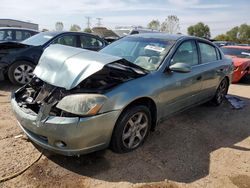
x: 81, y: 101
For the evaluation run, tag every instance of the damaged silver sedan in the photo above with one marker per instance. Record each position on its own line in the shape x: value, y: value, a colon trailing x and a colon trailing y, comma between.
x: 81, y: 101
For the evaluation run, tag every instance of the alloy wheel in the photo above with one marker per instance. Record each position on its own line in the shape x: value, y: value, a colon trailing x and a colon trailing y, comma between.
x: 222, y: 91
x: 135, y: 130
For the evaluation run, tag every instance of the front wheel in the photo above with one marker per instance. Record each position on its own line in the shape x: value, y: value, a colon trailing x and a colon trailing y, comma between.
x: 221, y: 92
x: 21, y: 72
x: 131, y: 129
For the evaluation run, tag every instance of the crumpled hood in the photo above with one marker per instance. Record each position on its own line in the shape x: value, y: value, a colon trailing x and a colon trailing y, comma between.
x: 66, y: 67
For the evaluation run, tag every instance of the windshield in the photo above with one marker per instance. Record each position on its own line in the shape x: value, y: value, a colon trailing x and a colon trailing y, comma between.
x: 39, y: 39
x: 147, y: 53
x: 242, y: 53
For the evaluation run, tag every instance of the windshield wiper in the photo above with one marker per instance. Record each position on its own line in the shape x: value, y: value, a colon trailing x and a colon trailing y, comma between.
x: 129, y: 66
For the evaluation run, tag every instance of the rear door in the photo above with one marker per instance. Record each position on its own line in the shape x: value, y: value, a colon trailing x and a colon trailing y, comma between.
x: 212, y: 64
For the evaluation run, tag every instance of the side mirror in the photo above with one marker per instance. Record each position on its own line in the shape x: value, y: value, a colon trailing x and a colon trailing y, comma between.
x: 180, y: 67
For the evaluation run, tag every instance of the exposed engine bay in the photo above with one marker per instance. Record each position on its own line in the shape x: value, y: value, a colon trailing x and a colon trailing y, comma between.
x: 37, y: 94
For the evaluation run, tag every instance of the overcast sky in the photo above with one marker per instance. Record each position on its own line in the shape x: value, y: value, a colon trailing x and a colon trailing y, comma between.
x: 220, y: 15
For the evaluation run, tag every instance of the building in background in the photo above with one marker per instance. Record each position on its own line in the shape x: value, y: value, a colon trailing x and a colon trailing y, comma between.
x: 105, y: 33
x: 18, y: 23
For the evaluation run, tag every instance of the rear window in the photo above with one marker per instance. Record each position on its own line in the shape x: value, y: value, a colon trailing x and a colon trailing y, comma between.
x: 90, y: 42
x: 242, y: 53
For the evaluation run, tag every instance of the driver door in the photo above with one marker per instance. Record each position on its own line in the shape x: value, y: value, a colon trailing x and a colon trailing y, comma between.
x: 181, y: 90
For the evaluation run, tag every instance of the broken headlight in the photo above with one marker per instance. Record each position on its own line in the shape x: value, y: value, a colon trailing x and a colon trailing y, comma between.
x: 82, y: 104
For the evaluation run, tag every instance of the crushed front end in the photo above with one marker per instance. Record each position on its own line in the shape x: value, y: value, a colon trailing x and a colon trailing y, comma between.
x: 66, y: 117
x: 57, y: 130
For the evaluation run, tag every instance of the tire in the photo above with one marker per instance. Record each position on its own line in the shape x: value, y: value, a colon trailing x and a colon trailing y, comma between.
x: 221, y: 92
x: 246, y: 78
x: 21, y: 72
x: 122, y: 141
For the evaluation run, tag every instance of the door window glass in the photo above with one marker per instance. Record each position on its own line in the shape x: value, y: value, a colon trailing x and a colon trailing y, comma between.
x: 208, y: 53
x: 68, y: 40
x: 186, y: 53
x: 6, y: 35
x: 19, y: 35
x: 2, y: 35
x: 26, y: 35
x: 90, y: 42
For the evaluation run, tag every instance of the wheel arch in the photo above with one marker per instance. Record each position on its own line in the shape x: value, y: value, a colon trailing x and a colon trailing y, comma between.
x: 148, y: 102
x: 228, y: 80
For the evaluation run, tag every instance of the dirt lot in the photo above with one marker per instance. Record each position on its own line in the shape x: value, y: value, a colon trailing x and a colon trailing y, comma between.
x: 203, y: 147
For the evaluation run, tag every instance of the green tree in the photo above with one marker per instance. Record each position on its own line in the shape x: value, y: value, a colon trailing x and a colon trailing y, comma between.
x: 222, y: 37
x: 238, y: 34
x: 87, y: 30
x: 199, y: 30
x: 233, y: 34
x: 244, y: 33
x: 75, y: 27
x: 154, y: 24
x: 171, y: 25
x: 59, y: 26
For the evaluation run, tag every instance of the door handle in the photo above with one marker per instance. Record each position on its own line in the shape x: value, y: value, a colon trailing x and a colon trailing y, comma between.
x: 199, y: 78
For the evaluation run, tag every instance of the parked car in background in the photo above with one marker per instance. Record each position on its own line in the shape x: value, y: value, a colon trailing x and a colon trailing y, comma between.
x: 243, y: 44
x: 223, y: 43
x: 241, y: 60
x: 81, y: 101
x: 18, y: 60
x: 124, y: 31
x: 13, y: 34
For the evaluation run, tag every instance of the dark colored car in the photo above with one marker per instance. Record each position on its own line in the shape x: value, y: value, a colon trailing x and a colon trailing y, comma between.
x: 13, y: 34
x: 18, y: 60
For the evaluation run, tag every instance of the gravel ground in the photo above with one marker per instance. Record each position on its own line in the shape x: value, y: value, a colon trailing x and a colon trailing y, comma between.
x: 203, y: 147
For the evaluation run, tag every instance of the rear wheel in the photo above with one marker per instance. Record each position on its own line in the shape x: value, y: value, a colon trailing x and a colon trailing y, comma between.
x: 131, y: 129
x: 246, y: 77
x: 221, y: 92
x: 21, y: 72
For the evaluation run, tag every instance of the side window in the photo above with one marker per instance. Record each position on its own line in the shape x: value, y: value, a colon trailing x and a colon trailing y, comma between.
x: 186, y: 53
x: 26, y: 35
x: 90, y: 42
x: 208, y: 53
x: 68, y: 40
x: 8, y: 35
x: 2, y: 35
x: 19, y: 35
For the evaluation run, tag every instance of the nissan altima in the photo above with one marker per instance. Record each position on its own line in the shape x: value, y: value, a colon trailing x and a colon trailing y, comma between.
x: 80, y: 101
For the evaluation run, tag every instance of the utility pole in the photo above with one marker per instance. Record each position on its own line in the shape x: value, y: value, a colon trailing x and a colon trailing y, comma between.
x: 88, y: 21
x: 99, y: 22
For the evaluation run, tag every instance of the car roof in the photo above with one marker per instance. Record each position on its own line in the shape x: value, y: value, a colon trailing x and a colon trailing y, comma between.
x: 238, y: 47
x: 158, y: 36
x: 173, y: 37
x: 18, y: 28
x: 55, y: 33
